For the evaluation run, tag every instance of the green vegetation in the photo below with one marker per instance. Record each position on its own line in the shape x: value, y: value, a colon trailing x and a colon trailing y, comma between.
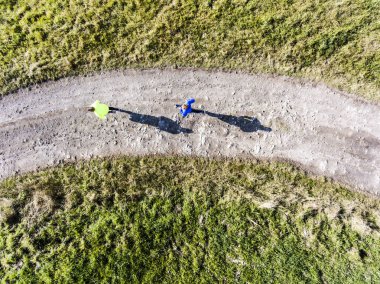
x: 336, y: 42
x: 185, y: 220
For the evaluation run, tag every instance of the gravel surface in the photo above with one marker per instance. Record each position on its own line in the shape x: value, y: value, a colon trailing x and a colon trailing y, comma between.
x: 319, y: 129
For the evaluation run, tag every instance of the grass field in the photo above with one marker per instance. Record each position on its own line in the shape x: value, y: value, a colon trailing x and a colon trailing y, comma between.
x: 336, y: 42
x: 183, y: 220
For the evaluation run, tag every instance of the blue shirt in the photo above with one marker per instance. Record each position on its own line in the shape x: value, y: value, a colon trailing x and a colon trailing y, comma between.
x: 185, y: 112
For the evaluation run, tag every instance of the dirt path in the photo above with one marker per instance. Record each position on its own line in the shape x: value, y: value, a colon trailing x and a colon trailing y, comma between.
x: 313, y: 126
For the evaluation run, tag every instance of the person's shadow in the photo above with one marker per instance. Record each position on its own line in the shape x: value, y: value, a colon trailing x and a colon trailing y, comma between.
x: 161, y: 122
x: 245, y: 123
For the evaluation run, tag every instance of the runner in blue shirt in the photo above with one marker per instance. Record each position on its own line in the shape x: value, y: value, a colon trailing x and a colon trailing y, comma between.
x: 185, y: 109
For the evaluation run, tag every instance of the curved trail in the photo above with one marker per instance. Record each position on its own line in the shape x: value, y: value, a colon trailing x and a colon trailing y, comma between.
x: 326, y: 133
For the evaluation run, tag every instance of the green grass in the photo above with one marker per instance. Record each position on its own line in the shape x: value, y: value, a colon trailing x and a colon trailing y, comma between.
x: 337, y: 42
x: 185, y: 220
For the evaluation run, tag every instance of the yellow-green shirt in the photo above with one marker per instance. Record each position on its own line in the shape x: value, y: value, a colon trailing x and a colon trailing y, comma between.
x: 101, y: 110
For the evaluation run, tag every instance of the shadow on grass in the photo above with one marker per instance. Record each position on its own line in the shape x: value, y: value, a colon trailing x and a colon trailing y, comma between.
x: 161, y: 122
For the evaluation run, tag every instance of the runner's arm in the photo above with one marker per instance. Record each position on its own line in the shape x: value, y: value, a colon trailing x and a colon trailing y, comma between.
x: 190, y: 101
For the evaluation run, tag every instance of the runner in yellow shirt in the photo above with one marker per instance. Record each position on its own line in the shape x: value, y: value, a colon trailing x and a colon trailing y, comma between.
x: 100, y: 110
